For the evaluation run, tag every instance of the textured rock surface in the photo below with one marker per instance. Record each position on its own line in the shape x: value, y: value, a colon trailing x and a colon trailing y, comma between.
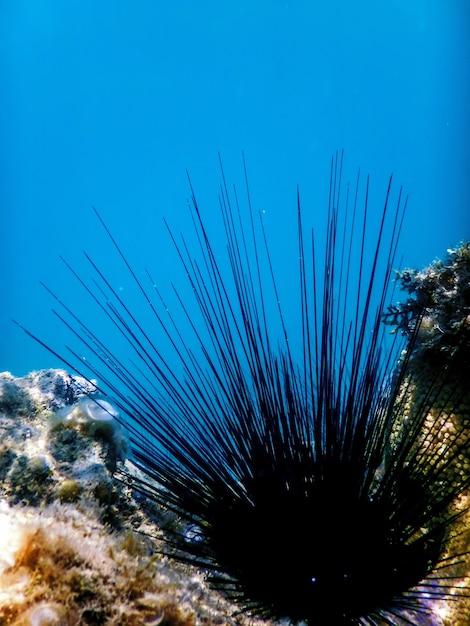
x: 75, y: 545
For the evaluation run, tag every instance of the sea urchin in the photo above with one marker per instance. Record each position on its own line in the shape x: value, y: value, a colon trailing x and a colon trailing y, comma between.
x: 307, y: 478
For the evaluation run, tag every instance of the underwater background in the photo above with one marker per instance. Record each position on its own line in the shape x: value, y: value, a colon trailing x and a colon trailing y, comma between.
x: 108, y: 103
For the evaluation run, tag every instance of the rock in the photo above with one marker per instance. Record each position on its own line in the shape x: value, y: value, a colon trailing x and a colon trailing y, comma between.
x: 76, y: 545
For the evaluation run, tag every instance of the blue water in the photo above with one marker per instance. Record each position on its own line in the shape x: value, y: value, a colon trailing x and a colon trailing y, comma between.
x: 108, y: 103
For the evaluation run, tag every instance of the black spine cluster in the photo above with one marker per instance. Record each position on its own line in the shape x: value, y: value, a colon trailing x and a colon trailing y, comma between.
x: 306, y: 467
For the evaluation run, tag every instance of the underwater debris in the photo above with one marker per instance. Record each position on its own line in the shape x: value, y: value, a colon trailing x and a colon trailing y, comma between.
x: 97, y: 418
x: 46, y: 614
